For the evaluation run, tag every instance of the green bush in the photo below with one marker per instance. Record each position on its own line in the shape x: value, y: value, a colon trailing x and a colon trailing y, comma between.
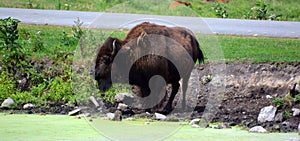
x: 220, y: 10
x: 286, y: 114
x: 278, y: 102
x: 7, y: 86
x: 60, y: 91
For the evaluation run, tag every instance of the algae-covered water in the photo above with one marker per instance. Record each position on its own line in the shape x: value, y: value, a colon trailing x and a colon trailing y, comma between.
x: 24, y: 127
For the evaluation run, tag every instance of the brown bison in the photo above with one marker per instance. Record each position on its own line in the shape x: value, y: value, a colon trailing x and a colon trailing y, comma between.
x: 149, y: 50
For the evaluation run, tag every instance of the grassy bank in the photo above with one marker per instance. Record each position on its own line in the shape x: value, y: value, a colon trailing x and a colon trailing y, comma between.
x: 273, y: 9
x: 23, y: 127
x: 235, y: 48
x: 45, y: 76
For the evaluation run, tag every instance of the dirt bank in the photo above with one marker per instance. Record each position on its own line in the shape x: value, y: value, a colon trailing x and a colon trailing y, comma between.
x: 249, y: 88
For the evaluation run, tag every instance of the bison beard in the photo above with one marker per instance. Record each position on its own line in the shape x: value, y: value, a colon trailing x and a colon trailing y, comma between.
x: 150, y: 39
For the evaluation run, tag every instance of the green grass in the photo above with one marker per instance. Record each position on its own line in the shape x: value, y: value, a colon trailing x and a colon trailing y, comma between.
x: 22, y: 127
x: 234, y: 48
x: 235, y: 8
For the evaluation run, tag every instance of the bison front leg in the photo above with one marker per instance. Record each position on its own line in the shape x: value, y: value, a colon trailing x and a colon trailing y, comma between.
x: 168, y: 108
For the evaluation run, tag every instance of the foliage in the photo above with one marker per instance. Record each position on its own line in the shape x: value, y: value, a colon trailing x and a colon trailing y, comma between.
x: 297, y: 98
x: 286, y: 114
x: 261, y: 11
x: 12, y: 53
x: 115, y: 89
x: 277, y: 102
x: 7, y: 85
x: 220, y: 10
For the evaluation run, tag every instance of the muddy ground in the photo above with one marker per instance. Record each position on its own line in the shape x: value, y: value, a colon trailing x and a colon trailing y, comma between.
x: 247, y: 89
x: 233, y: 93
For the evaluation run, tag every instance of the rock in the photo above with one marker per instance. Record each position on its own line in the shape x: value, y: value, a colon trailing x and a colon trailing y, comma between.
x: 267, y: 114
x: 159, y: 116
x: 146, y: 123
x: 122, y: 106
x: 258, y: 129
x: 299, y: 129
x: 130, y: 119
x: 195, y: 121
x: 94, y: 101
x: 269, y: 97
x: 7, y: 102
x: 286, y: 127
x: 278, y: 117
x: 195, y: 126
x: 118, y: 116
x: 83, y: 115
x: 74, y: 112
x: 28, y: 106
x: 296, y: 111
x: 124, y: 97
x: 110, y: 116
x: 223, y: 126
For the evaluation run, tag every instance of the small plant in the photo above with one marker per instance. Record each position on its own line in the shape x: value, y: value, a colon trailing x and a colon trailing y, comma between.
x: 220, y: 10
x: 297, y: 98
x: 278, y: 102
x: 76, y: 29
x: 7, y: 86
x: 286, y: 114
x: 38, y: 43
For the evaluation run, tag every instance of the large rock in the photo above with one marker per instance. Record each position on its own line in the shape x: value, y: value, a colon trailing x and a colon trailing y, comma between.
x: 267, y: 114
x: 258, y: 129
x: 122, y: 106
x: 159, y: 116
x: 7, y: 102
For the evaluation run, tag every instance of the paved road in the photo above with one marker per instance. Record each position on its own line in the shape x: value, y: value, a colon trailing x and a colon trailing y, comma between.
x: 116, y: 21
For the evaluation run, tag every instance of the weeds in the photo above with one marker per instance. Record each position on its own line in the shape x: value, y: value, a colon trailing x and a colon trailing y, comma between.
x: 220, y: 10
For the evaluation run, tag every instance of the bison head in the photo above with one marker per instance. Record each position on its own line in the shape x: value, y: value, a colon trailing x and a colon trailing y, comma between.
x: 104, y: 62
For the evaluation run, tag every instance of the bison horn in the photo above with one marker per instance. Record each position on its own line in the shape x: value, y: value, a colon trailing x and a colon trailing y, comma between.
x: 114, y: 47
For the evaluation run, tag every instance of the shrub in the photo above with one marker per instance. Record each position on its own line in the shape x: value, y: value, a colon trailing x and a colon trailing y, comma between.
x: 12, y: 53
x: 220, y: 10
x: 60, y: 91
x: 278, y: 102
x: 286, y: 114
x: 7, y: 86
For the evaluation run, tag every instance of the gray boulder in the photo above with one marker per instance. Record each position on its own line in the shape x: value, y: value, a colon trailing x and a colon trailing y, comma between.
x: 278, y: 117
x: 110, y: 116
x: 7, y: 102
x: 267, y: 114
x: 122, y: 106
x: 258, y: 129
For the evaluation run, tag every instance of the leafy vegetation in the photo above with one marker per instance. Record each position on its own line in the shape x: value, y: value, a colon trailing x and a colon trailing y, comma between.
x: 237, y: 9
x: 46, y: 76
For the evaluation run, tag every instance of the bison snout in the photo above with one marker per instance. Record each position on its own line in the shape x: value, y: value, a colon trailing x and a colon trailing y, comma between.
x: 104, y: 85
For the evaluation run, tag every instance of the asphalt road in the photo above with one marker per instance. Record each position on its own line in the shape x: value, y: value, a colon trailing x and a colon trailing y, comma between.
x: 126, y: 21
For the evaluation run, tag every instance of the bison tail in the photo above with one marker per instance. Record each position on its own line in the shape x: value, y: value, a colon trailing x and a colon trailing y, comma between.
x: 199, y: 53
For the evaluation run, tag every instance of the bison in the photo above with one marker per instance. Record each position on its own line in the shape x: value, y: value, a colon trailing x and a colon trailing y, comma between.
x: 149, y: 37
